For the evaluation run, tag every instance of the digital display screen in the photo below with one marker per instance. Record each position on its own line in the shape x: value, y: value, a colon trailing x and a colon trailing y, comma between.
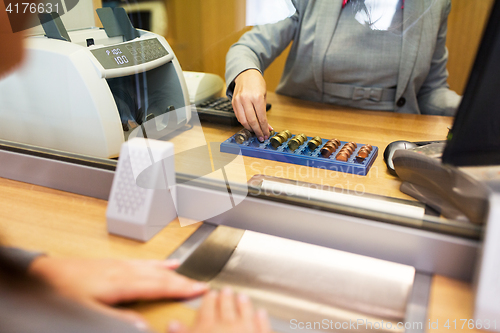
x: 129, y: 54
x: 118, y: 56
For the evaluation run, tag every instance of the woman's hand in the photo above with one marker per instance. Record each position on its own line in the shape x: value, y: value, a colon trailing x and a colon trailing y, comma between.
x: 225, y: 313
x: 100, y: 283
x: 249, y: 103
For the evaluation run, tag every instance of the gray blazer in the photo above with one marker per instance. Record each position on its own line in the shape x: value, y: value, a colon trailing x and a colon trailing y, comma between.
x: 422, y: 82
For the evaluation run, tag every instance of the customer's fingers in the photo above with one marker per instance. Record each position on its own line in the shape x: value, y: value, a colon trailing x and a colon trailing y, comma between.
x: 129, y: 316
x: 168, y: 263
x: 153, y: 282
x: 177, y: 327
x: 246, y: 313
x: 171, y: 263
x: 208, y: 309
x: 112, y: 281
x: 224, y: 313
x: 262, y: 323
x: 227, y: 305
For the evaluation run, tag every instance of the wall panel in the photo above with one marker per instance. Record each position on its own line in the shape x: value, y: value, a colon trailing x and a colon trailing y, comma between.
x: 465, y: 28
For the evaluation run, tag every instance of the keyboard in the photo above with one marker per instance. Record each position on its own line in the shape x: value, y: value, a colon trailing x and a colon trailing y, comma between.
x: 219, y: 110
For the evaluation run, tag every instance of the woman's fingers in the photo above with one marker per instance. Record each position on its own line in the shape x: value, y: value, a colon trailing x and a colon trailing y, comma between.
x: 260, y: 111
x: 239, y: 111
x: 251, y: 113
x: 249, y: 102
x: 252, y: 119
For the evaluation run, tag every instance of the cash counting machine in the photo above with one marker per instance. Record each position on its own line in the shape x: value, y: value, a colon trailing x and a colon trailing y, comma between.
x: 84, y: 91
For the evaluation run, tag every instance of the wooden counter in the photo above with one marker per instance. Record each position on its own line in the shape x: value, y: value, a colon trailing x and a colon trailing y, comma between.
x: 65, y: 224
x: 327, y: 121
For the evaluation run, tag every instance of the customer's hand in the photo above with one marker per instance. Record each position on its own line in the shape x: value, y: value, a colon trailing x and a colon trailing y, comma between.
x: 100, y: 283
x: 249, y: 102
x: 225, y: 313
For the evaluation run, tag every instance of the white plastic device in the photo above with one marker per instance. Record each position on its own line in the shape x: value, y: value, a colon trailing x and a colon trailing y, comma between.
x: 61, y: 98
x: 143, y: 194
x: 487, y: 284
x: 203, y: 86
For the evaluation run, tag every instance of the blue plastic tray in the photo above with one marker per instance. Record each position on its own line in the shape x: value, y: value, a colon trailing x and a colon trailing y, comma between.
x: 302, y: 155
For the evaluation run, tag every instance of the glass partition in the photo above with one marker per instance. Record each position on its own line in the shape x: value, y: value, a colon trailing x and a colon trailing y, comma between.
x: 199, y: 33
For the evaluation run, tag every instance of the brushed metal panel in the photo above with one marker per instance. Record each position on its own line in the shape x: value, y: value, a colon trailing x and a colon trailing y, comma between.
x: 303, y: 283
x: 428, y: 252
x: 211, y: 255
x: 317, y: 274
x: 60, y: 175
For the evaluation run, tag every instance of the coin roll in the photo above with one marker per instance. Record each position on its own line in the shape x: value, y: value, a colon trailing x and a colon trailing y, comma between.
x: 332, y: 142
x: 352, y: 143
x: 365, y: 149
x: 369, y: 147
x: 280, y: 138
x: 342, y: 157
x: 363, y: 154
x: 331, y: 146
x: 301, y: 138
x: 293, y: 144
x: 327, y: 150
x: 297, y: 141
x: 347, y: 149
x: 276, y: 141
x: 314, y: 143
x: 336, y: 141
x: 242, y: 136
